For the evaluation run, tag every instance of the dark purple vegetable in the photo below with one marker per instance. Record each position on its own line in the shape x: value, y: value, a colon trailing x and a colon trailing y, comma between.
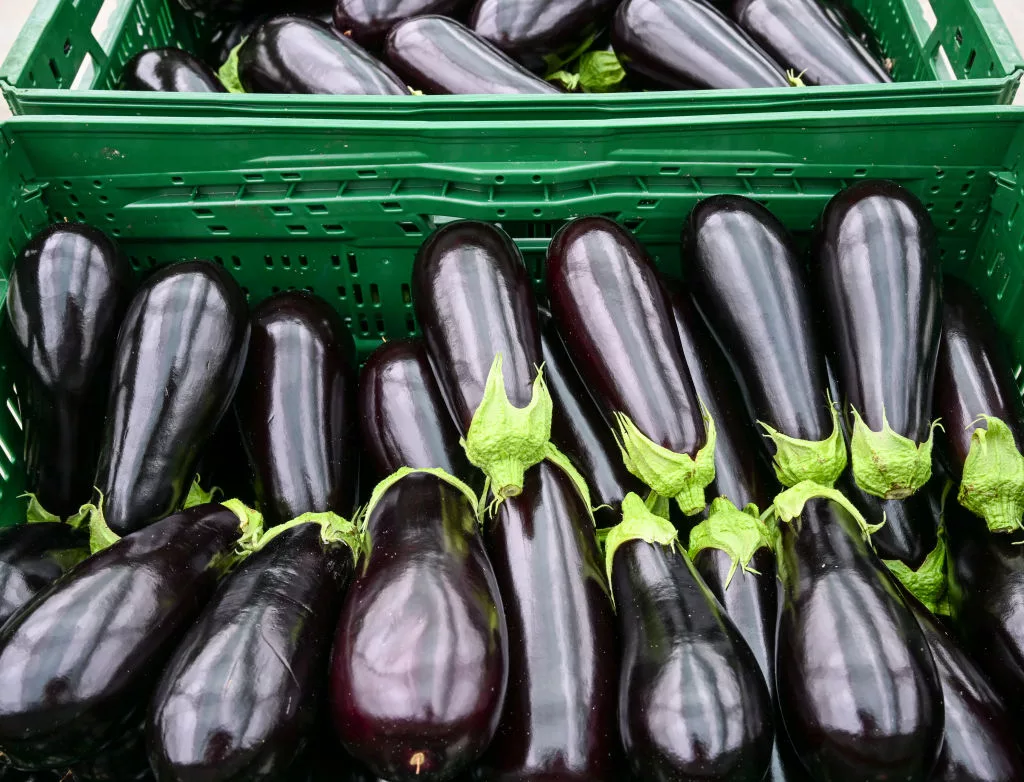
x: 689, y: 44
x: 123, y: 761
x: 368, y: 22
x: 404, y: 419
x: 296, y: 409
x: 618, y: 325
x: 240, y: 698
x: 580, y: 430
x: 33, y: 556
x: 178, y: 360
x: 748, y: 282
x: 534, y: 31
x: 230, y: 34
x: 78, y: 662
x: 559, y: 720
x: 857, y: 687
x: 298, y: 55
x: 879, y: 279
x: 442, y: 57
x: 983, y: 416
x: 803, y: 36
x: 169, y: 70
x: 68, y: 292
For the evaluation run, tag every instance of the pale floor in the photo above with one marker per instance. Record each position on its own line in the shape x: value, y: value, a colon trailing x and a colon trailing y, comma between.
x: 14, y: 12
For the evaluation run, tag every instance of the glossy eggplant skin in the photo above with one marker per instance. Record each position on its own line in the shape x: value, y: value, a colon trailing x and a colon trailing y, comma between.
x: 974, y: 375
x: 403, y: 417
x: 420, y: 662
x: 240, y: 697
x: 911, y: 524
x: 296, y: 408
x: 473, y: 300
x: 528, y: 30
x: 747, y: 280
x: 857, y: 686
x: 802, y: 36
x: 178, y: 360
x: 442, y: 57
x: 296, y: 55
x: 68, y: 292
x: 693, y: 703
x: 986, y: 593
x: 33, y: 556
x: 879, y: 278
x: 689, y: 44
x: 742, y: 474
x: 559, y: 720
x: 368, y: 22
x: 615, y: 318
x: 169, y: 70
x: 582, y: 433
x: 69, y: 688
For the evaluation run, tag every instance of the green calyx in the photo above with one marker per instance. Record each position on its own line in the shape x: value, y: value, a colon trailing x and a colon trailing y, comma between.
x: 992, y: 486
x: 788, y: 505
x: 228, y: 72
x: 675, y: 475
x: 101, y: 536
x: 927, y: 583
x: 739, y: 533
x: 820, y: 461
x: 197, y: 495
x: 503, y: 440
x: 334, y: 530
x: 795, y: 79
x: 600, y: 71
x: 35, y: 513
x: 403, y: 472
x: 887, y: 464
x: 250, y: 522
x: 638, y: 523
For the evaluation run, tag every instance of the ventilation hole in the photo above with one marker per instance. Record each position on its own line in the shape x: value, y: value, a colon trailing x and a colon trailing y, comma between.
x: 80, y: 215
x: 236, y: 261
x: 135, y: 262
x: 201, y: 213
x: 935, y: 188
x: 298, y: 229
x: 929, y: 206
x: 342, y: 293
x: 741, y: 171
x: 379, y: 323
x: 67, y: 184
x: 336, y: 261
x: 366, y: 173
x: 958, y: 206
x: 951, y: 222
x: 537, y: 213
x: 73, y: 199
x: 958, y: 36
x: 291, y: 176
x: 861, y: 172
x: 177, y: 180
x: 939, y: 173
x: 647, y: 203
x: 971, y: 174
x: 391, y: 206
x: 499, y: 179
x: 970, y: 61
x: 632, y: 223
x: 269, y: 261
x: 316, y: 209
x: 97, y: 183
x: 374, y: 294
x: 334, y: 228
x: 353, y: 267
x: 252, y: 177
x: 303, y: 260
x: 406, y: 294
x: 55, y: 70
x: 357, y: 293
x: 109, y: 217
x: 275, y: 289
x: 364, y: 326
x: 670, y: 170
x: 103, y: 199
x: 784, y: 171
x: 410, y: 325
x: 502, y: 213
x: 536, y: 179
x: 281, y: 210
x: 150, y: 261
x: 410, y: 228
x: 67, y: 46
x: 116, y: 231
x: 965, y: 189
x: 286, y: 261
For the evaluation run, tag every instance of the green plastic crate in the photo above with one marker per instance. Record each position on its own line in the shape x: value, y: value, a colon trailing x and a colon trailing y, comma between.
x: 340, y: 208
x: 44, y: 71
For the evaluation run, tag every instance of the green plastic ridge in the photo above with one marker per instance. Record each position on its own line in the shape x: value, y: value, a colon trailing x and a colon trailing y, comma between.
x: 638, y: 523
x: 887, y: 464
x: 820, y: 461
x: 992, y: 485
x: 739, y: 533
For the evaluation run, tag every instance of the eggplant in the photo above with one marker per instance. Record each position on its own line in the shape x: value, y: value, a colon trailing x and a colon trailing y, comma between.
x: 693, y: 703
x: 580, y: 430
x: 442, y: 57
x: 368, y: 22
x: 68, y: 292
x: 980, y: 743
x: 178, y: 360
x: 540, y: 33
x: 858, y: 689
x: 618, y: 325
x: 169, y: 70
x: 79, y: 661
x: 296, y: 55
x: 296, y: 410
x: 229, y: 35
x: 240, y: 698
x: 983, y: 416
x: 803, y: 36
x: 742, y: 473
x: 880, y: 282
x: 403, y: 417
x: 33, y: 556
x: 559, y: 718
x: 689, y: 44
x: 745, y: 277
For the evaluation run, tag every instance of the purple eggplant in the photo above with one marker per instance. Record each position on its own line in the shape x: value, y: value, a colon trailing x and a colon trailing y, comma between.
x: 858, y: 689
x: 879, y: 278
x: 169, y: 70
x: 33, y: 556
x: 747, y: 280
x: 580, y: 430
x: 689, y: 44
x: 68, y: 291
x: 178, y: 360
x: 296, y: 55
x: 296, y: 409
x: 368, y: 22
x: 539, y: 33
x: 983, y: 416
x: 79, y: 661
x: 802, y: 35
x: 442, y: 57
x: 618, y: 325
x: 693, y: 703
